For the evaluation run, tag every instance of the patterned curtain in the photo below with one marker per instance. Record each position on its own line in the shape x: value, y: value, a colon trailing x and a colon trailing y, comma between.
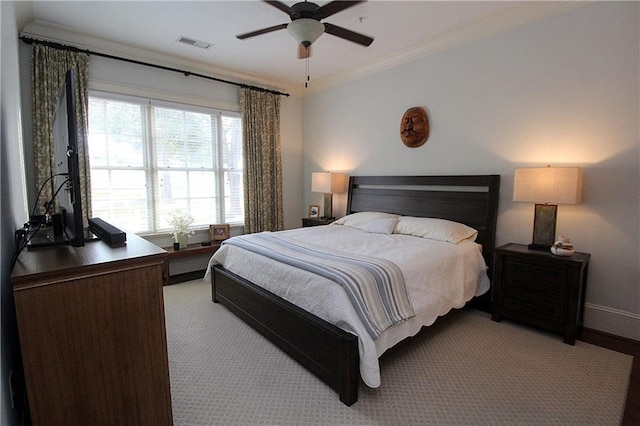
x: 262, y: 161
x: 49, y: 68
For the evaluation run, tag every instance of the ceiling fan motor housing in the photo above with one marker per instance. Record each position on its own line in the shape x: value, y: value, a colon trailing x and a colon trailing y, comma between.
x: 307, y: 10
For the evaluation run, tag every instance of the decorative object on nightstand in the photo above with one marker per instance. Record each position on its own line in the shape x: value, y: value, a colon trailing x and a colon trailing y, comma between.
x: 540, y: 289
x: 563, y: 246
x: 314, y: 211
x: 330, y: 183
x: 308, y: 221
x: 550, y: 186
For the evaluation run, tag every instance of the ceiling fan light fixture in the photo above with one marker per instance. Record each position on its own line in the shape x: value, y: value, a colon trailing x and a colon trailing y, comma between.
x: 305, y: 30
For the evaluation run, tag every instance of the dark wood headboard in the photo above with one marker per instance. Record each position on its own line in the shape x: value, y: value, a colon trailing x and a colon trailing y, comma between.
x: 472, y: 200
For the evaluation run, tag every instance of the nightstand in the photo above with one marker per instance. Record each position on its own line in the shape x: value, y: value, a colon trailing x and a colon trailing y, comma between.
x: 540, y: 289
x: 307, y: 221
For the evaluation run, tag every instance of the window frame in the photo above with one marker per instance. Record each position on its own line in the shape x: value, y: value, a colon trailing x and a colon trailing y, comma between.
x: 150, y: 162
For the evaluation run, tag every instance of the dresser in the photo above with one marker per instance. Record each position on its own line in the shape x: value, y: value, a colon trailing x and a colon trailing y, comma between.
x: 540, y: 289
x: 92, y: 334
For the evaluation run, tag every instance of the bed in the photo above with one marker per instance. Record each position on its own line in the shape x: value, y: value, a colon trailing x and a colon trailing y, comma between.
x: 335, y: 353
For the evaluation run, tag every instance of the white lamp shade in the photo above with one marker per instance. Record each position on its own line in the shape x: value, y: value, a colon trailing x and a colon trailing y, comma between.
x: 329, y: 183
x: 554, y: 185
x: 306, y: 31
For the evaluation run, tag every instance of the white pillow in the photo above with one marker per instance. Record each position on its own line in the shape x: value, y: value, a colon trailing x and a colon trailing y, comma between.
x: 362, y: 219
x: 382, y: 225
x: 435, y: 229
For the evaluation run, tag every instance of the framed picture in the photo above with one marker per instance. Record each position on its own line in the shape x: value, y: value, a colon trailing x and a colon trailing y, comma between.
x: 314, y: 211
x: 219, y: 232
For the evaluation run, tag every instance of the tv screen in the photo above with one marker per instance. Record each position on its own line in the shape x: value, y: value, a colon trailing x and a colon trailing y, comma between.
x: 66, y: 168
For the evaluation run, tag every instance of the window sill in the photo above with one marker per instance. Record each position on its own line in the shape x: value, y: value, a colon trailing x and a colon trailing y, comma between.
x: 200, y: 235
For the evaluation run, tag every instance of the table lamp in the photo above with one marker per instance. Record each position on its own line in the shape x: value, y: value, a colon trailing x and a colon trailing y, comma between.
x: 329, y: 183
x: 547, y: 187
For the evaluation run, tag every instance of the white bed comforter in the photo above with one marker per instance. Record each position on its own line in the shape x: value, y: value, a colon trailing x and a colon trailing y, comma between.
x: 438, y: 275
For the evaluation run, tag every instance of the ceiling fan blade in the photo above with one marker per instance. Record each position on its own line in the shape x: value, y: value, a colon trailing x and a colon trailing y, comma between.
x: 279, y: 5
x: 347, y: 34
x: 262, y: 31
x: 334, y: 7
x: 303, y: 52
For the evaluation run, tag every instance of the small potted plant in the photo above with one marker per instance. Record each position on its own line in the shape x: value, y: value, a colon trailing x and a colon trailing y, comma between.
x: 180, y: 222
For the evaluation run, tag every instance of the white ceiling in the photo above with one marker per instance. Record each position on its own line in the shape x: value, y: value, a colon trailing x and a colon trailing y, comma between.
x: 403, y: 30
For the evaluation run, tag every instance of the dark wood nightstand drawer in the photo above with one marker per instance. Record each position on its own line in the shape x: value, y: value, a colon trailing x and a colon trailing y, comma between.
x: 530, y: 277
x: 535, y: 309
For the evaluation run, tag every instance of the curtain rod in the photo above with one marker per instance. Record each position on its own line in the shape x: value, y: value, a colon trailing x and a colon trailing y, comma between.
x: 60, y: 46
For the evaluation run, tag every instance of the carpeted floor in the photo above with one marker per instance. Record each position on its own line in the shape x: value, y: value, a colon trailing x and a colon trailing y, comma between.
x: 465, y: 369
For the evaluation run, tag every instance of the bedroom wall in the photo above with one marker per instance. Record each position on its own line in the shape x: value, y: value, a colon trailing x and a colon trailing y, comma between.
x: 13, y: 207
x: 560, y: 91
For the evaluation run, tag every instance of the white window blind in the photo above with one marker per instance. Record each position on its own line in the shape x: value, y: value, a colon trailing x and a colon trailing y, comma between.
x: 148, y: 158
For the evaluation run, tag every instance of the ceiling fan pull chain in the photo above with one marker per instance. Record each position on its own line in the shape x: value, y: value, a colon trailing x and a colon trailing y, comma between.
x: 306, y: 83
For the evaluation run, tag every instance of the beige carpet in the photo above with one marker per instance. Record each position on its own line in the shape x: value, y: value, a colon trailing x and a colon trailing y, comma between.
x: 465, y: 369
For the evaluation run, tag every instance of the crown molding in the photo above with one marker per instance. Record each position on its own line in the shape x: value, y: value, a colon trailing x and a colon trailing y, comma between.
x: 520, y: 14
x: 43, y: 30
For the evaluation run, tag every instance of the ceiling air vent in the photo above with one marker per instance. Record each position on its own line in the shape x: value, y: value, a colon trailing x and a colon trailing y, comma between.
x: 194, y: 42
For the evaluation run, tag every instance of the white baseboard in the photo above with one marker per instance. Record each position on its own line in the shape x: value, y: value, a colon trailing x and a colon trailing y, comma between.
x: 612, y: 321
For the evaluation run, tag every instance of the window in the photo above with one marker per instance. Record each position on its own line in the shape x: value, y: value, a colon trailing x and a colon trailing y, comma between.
x: 148, y: 158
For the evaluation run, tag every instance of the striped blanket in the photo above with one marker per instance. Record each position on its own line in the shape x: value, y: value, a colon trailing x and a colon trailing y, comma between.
x: 374, y: 286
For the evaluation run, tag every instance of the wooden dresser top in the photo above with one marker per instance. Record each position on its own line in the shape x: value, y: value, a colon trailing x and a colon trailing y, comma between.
x: 66, y: 260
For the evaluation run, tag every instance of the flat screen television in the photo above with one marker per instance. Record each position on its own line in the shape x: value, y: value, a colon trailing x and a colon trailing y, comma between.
x: 66, y: 170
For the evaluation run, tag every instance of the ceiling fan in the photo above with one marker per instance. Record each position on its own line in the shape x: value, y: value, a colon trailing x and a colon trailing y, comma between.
x: 305, y: 25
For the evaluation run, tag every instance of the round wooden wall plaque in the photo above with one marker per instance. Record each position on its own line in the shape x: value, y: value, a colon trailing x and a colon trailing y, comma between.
x: 414, y: 127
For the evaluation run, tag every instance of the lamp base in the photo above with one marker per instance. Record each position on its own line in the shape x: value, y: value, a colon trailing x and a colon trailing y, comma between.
x: 328, y: 205
x: 544, y: 227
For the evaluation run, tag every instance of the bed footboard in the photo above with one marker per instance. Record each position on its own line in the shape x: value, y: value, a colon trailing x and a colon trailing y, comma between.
x: 324, y: 349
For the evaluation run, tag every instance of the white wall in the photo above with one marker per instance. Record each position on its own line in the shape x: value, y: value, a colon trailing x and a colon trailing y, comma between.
x: 13, y: 203
x: 560, y: 91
